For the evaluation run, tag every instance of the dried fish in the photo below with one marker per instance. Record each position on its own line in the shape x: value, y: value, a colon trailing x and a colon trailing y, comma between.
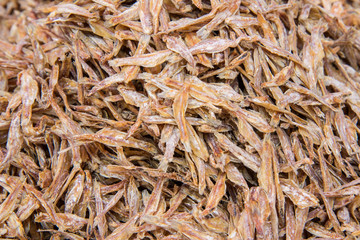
x: 300, y: 197
x: 67, y: 8
x: 260, y: 209
x: 116, y: 138
x: 178, y: 119
x: 144, y: 60
x: 177, y: 45
x: 216, y: 194
x: 8, y: 205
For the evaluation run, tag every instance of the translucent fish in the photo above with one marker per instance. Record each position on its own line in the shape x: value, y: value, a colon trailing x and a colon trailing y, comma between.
x: 133, y: 197
x: 125, y: 230
x: 145, y: 16
x: 115, y: 138
x: 29, y: 89
x: 225, y: 10
x: 237, y: 21
x: 68, y: 8
x: 177, y: 45
x: 216, y: 194
x: 155, y: 9
x: 247, y: 159
x: 154, y: 199
x: 280, y: 78
x: 132, y: 13
x: 321, y: 231
x: 14, y: 141
x: 213, y: 45
x: 300, y: 197
x: 170, y: 148
x: 102, y: 223
x: 112, y: 202
x: 260, y: 209
x: 144, y: 60
x: 8, y: 206
x: 74, y: 193
x: 28, y: 205
x: 65, y: 221
x: 179, y: 108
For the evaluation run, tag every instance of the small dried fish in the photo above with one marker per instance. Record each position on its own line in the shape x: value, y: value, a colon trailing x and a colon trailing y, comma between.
x: 144, y: 60
x: 116, y: 138
x: 300, y: 197
x: 145, y: 16
x: 154, y: 199
x: 321, y: 231
x: 68, y: 8
x: 224, y: 10
x: 216, y: 194
x: 280, y: 78
x: 131, y: 13
x: 8, y: 206
x: 260, y: 209
x: 247, y: 159
x: 15, y: 141
x: 213, y: 45
x: 178, y: 119
x: 28, y: 206
x: 29, y: 89
x: 73, y: 195
x: 179, y: 106
x: 177, y: 45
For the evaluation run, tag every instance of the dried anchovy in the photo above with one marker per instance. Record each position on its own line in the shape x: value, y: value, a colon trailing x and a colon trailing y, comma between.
x: 176, y: 119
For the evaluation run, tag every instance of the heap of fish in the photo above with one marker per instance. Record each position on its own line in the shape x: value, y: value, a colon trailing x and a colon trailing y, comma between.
x: 178, y: 119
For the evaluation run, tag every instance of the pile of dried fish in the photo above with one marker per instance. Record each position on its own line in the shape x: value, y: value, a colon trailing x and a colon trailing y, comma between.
x: 178, y: 119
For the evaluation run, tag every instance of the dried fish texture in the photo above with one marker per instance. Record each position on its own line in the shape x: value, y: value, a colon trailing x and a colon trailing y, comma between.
x: 179, y: 119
